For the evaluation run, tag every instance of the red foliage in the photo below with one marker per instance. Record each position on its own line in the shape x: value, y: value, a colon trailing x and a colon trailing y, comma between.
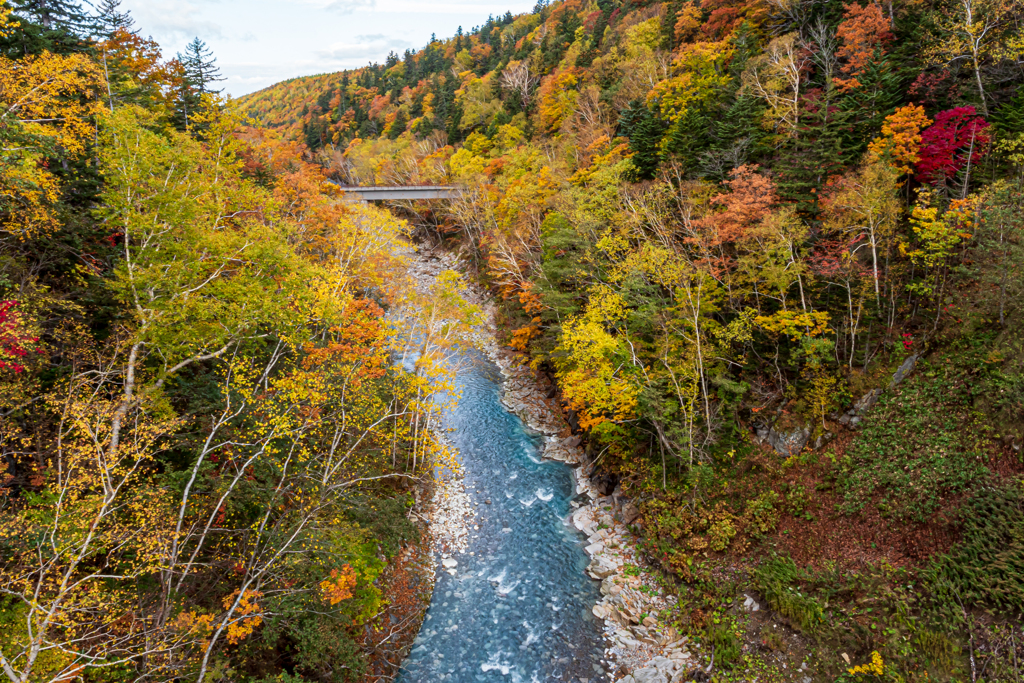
x: 831, y: 258
x: 956, y: 138
x: 724, y: 16
x: 14, y: 342
x: 721, y: 22
x: 928, y: 88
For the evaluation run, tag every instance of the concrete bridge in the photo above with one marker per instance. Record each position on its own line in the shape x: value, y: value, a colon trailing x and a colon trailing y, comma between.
x: 379, y: 193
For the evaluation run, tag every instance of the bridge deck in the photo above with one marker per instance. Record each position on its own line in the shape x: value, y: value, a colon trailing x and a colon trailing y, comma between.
x: 384, y: 192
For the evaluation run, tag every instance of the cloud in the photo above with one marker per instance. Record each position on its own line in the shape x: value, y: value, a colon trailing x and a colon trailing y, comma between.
x: 372, y: 46
x: 174, y: 20
x: 349, y: 6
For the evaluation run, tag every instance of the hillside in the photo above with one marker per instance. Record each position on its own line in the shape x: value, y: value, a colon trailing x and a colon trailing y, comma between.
x: 770, y: 251
x: 209, y: 465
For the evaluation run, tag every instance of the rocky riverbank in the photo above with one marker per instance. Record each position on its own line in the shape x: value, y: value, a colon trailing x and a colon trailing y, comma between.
x: 640, y: 648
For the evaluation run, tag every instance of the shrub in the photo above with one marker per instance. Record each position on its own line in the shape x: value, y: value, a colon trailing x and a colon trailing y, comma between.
x: 920, y: 444
x: 778, y: 580
x: 762, y: 513
x: 724, y: 643
x: 986, y: 566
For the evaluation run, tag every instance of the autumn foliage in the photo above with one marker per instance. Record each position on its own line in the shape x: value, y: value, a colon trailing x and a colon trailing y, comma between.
x: 956, y: 139
x: 864, y: 34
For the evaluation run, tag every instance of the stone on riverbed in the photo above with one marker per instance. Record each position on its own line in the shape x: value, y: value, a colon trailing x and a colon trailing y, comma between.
x: 601, y: 567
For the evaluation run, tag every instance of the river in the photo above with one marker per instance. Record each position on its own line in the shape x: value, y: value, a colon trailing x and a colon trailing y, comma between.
x: 518, y: 607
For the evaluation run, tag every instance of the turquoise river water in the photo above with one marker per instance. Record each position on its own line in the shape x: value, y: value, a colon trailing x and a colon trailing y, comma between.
x: 518, y: 608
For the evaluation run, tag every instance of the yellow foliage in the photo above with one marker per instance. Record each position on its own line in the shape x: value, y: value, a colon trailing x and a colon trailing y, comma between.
x: 937, y: 234
x: 699, y: 68
x: 7, y: 25
x: 595, y: 381
x: 46, y: 106
x: 245, y: 617
x: 795, y: 324
x: 876, y: 667
x: 558, y: 98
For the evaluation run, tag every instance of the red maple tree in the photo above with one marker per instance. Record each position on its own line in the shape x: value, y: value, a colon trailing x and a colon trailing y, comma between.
x: 957, y: 137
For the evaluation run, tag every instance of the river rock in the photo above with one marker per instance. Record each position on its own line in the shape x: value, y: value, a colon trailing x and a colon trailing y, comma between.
x: 662, y: 664
x: 629, y: 512
x: 601, y: 567
x: 650, y: 675
x: 450, y: 563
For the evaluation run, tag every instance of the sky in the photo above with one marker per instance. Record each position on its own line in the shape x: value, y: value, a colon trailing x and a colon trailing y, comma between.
x: 260, y: 42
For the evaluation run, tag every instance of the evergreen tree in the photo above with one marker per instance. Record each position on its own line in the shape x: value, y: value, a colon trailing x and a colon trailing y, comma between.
x: 689, y: 138
x: 668, y: 24
x: 200, y: 67
x: 398, y: 125
x: 879, y: 93
x: 58, y: 26
x: 644, y: 131
x: 815, y: 153
x: 110, y: 18
x: 1009, y: 118
x: 198, y: 71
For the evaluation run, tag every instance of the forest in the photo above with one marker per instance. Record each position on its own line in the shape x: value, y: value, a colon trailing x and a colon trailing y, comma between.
x: 208, y: 449
x: 771, y: 251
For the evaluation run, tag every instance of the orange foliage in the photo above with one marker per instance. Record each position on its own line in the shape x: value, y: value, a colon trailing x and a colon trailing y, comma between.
x: 900, y: 141
x: 246, y: 616
x: 687, y: 23
x: 751, y: 198
x: 358, y: 340
x: 339, y: 585
x: 864, y: 29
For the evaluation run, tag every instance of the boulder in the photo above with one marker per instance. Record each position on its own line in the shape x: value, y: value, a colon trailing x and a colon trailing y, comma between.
x: 601, y: 567
x: 649, y: 674
x: 761, y: 433
x: 823, y: 439
x: 789, y: 442
x: 629, y: 512
x: 867, y: 401
x: 905, y: 369
x: 662, y: 664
